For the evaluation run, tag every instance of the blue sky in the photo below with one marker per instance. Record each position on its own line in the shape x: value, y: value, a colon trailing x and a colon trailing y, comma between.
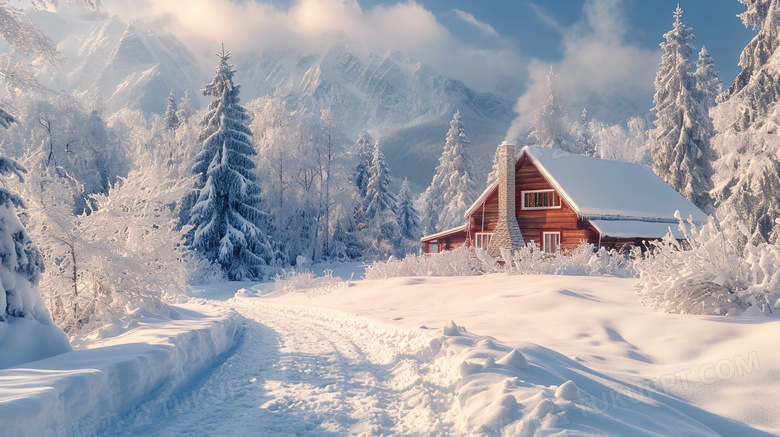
x: 605, y: 52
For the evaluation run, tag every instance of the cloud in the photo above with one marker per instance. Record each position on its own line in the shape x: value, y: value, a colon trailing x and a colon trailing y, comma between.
x: 308, y: 25
x: 599, y: 69
x: 481, y: 25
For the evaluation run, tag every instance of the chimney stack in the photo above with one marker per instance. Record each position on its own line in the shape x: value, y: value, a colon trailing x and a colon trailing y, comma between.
x: 507, y: 234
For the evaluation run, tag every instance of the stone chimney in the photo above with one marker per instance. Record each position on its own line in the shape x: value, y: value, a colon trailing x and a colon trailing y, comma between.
x: 507, y: 234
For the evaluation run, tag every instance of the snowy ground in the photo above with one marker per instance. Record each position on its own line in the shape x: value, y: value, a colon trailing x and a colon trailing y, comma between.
x: 528, y: 355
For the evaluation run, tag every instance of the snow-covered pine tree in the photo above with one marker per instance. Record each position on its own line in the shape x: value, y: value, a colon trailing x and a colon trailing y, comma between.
x: 227, y: 224
x: 453, y: 188
x: 581, y: 135
x: 549, y: 127
x: 21, y: 267
x: 757, y: 87
x: 171, y: 118
x: 185, y: 110
x: 682, y: 154
x: 381, y: 235
x: 708, y: 85
x: 408, y: 219
x: 364, y: 153
x: 747, y: 174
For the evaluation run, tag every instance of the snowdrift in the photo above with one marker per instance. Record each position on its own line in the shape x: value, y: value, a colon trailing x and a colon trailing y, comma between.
x: 87, y: 388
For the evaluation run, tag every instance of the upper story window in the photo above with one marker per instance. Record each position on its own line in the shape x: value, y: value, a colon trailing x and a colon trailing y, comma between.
x: 540, y: 199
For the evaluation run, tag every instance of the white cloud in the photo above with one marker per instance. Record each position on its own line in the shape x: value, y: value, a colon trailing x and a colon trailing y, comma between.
x: 258, y: 26
x: 481, y: 25
x: 599, y: 70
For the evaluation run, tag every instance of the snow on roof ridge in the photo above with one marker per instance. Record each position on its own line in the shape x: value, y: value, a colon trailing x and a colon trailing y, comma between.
x: 462, y: 227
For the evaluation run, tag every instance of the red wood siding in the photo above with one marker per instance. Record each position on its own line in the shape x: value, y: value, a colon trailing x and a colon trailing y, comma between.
x: 533, y: 222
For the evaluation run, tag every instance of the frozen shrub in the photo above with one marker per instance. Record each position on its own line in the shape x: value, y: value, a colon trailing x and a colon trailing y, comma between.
x: 458, y: 262
x: 584, y: 260
x: 294, y: 281
x: 705, y: 274
x: 530, y: 260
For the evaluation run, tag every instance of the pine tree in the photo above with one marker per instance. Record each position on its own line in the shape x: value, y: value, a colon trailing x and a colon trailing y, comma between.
x: 171, y: 119
x: 408, y: 219
x: 581, y: 135
x: 747, y: 174
x: 453, y: 188
x: 549, y: 127
x: 364, y: 152
x: 708, y: 85
x: 682, y: 155
x: 381, y: 235
x: 757, y: 87
x: 226, y: 222
x: 185, y: 110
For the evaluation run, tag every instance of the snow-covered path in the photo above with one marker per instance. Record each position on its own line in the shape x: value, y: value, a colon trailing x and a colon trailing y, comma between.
x: 361, y: 361
x: 301, y: 372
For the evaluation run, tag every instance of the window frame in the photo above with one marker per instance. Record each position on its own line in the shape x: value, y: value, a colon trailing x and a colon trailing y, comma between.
x: 544, y: 241
x: 477, y: 236
x: 525, y: 207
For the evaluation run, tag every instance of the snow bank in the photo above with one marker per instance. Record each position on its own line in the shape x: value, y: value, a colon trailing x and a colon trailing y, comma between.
x: 505, y: 391
x: 86, y: 387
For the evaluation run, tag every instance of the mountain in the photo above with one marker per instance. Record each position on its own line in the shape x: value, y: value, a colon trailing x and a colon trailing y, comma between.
x: 130, y: 64
x: 397, y: 99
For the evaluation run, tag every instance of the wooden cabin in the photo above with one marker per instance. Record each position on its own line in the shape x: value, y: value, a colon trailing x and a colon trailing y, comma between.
x: 562, y: 199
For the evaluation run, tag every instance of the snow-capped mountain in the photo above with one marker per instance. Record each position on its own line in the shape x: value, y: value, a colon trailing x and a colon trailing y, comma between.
x: 401, y: 101
x: 404, y: 103
x: 130, y: 64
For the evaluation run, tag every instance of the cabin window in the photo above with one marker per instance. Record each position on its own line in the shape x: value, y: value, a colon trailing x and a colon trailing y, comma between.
x: 541, y: 199
x: 551, y: 242
x: 482, y: 239
x: 433, y: 247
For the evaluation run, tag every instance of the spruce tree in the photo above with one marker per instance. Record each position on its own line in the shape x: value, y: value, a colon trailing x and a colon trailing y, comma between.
x: 408, y: 219
x: 682, y: 155
x: 227, y: 224
x: 549, y: 126
x: 185, y: 109
x: 757, y: 87
x: 454, y: 187
x: 747, y: 178
x: 364, y: 152
x: 171, y: 119
x: 708, y: 85
x: 381, y: 235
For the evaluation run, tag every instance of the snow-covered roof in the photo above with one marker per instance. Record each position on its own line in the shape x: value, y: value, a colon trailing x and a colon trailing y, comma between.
x: 600, y: 189
x: 462, y: 228
x: 636, y: 229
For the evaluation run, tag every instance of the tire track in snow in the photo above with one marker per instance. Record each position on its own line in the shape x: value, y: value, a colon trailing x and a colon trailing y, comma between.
x: 311, y: 372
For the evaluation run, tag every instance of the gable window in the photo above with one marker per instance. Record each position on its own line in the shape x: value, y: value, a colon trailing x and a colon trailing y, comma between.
x: 551, y: 242
x: 482, y: 239
x: 540, y: 199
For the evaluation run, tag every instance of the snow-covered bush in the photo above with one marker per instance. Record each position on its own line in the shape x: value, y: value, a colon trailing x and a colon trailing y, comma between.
x: 294, y: 281
x: 123, y: 256
x: 458, y: 262
x: 705, y: 274
x: 530, y: 260
x: 584, y: 260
